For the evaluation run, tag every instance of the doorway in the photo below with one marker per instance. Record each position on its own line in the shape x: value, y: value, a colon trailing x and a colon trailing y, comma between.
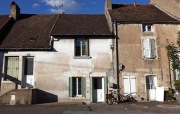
x: 151, y: 88
x: 98, y: 89
x: 28, y: 75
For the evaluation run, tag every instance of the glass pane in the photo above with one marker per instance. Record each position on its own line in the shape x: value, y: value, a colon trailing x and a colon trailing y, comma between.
x: 28, y: 70
x: 79, y: 86
x: 74, y: 86
x: 78, y: 48
x: 83, y: 47
x: 149, y: 27
x: 97, y: 83
x: 144, y: 28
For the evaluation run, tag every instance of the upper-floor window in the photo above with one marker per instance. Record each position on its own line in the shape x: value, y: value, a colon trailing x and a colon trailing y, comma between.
x: 149, y: 48
x: 81, y: 47
x: 147, y: 27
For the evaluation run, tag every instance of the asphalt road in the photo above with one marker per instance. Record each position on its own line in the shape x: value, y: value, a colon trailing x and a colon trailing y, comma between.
x: 65, y: 108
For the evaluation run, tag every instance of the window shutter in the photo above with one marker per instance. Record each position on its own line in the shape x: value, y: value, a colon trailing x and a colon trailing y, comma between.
x: 126, y: 85
x: 105, y: 85
x: 133, y: 85
x: 153, y: 48
x: 70, y: 86
x: 83, y: 87
x: 147, y: 48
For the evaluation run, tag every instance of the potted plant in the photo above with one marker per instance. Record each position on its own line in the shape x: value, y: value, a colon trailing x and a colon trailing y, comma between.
x: 177, y: 88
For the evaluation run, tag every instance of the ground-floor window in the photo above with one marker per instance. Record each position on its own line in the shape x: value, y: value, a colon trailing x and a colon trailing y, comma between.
x: 77, y: 86
x: 11, y: 69
x: 129, y: 85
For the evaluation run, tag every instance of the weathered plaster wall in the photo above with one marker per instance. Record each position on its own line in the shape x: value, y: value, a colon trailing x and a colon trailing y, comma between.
x: 131, y: 54
x: 53, y: 69
x: 171, y: 6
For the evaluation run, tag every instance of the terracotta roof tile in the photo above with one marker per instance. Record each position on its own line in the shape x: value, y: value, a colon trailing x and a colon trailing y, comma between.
x: 81, y: 24
x: 140, y: 13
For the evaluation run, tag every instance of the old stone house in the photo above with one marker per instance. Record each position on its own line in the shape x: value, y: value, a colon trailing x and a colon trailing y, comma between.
x: 141, y: 32
x: 68, y: 56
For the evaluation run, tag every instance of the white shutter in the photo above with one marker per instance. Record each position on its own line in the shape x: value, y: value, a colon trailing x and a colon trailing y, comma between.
x: 126, y: 85
x: 153, y: 48
x: 133, y: 85
x: 147, y: 48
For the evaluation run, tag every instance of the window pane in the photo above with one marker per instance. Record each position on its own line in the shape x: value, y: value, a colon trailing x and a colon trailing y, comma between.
x: 74, y: 86
x: 97, y: 83
x: 149, y: 27
x: 28, y: 70
x: 83, y: 47
x: 144, y: 28
x: 78, y: 47
x: 79, y: 86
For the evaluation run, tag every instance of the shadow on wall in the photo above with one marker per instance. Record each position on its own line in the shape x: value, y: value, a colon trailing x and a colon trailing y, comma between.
x: 45, y: 97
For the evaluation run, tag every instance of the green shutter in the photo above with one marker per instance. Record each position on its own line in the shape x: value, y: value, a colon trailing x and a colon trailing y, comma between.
x: 12, y: 68
x: 91, y: 88
x: 105, y: 85
x: 83, y: 87
x: 70, y: 86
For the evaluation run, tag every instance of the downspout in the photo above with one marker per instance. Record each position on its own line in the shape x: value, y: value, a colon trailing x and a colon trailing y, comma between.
x: 117, y: 56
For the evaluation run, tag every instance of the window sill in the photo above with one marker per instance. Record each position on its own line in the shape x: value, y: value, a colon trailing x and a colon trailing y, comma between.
x: 81, y: 57
x: 148, y: 33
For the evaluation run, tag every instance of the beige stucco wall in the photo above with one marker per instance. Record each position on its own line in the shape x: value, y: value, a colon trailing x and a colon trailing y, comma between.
x: 171, y: 6
x: 53, y: 69
x: 131, y: 54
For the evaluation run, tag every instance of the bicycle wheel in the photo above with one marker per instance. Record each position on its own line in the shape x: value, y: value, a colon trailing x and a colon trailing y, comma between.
x: 109, y: 101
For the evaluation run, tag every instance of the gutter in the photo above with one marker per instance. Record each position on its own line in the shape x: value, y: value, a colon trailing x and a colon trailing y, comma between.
x: 117, y: 57
x: 25, y: 49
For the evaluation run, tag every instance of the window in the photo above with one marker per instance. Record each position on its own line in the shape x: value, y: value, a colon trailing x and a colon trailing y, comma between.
x: 129, y: 85
x: 149, y: 48
x: 81, y: 47
x: 28, y: 66
x: 77, y: 86
x: 147, y: 27
x: 11, y: 68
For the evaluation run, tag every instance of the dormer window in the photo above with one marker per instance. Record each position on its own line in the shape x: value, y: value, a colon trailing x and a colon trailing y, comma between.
x: 147, y: 27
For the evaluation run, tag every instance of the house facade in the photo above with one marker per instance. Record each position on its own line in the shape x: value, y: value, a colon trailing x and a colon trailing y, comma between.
x: 142, y: 32
x: 67, y: 56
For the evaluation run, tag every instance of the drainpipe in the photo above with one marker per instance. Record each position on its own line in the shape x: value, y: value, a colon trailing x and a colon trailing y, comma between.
x: 117, y: 56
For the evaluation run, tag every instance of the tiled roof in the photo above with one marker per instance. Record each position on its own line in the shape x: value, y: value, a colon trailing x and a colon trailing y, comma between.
x: 30, y: 32
x: 81, y: 24
x: 3, y: 20
x: 139, y: 14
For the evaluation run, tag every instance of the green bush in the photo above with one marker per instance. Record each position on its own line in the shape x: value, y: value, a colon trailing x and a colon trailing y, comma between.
x: 177, y: 84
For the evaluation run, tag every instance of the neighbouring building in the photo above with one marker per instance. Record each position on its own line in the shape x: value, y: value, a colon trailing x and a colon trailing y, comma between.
x: 68, y: 56
x: 142, y: 32
x: 171, y: 7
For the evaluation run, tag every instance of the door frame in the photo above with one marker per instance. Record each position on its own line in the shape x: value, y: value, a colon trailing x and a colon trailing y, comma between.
x: 24, y: 77
x: 104, y: 87
x: 148, y: 90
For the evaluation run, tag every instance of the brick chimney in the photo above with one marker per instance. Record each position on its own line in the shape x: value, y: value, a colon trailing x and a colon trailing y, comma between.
x: 14, y: 10
x: 108, y: 4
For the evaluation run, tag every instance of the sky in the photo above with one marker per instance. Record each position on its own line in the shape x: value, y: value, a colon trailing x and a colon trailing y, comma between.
x: 58, y: 6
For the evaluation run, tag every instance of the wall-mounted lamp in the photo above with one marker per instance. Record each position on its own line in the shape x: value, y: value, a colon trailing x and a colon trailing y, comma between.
x: 112, y: 47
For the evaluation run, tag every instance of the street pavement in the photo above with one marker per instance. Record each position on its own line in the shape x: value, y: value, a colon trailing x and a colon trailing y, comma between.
x: 97, y: 108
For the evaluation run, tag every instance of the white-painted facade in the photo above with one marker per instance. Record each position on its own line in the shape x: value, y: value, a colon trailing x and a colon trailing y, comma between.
x: 52, y: 69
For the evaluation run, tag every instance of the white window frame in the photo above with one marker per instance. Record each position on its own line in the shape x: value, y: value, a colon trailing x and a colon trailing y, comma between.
x: 146, y: 27
x: 77, y: 87
x: 130, y: 85
x: 152, y: 49
x: 81, y: 47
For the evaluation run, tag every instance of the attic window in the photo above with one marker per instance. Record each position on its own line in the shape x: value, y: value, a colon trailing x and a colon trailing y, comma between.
x: 32, y: 39
x: 147, y: 27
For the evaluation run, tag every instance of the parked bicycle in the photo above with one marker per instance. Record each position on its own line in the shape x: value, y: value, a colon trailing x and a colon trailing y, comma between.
x: 113, y: 98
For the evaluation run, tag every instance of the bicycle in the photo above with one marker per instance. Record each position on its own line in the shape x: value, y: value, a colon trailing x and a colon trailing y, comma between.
x: 112, y: 97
